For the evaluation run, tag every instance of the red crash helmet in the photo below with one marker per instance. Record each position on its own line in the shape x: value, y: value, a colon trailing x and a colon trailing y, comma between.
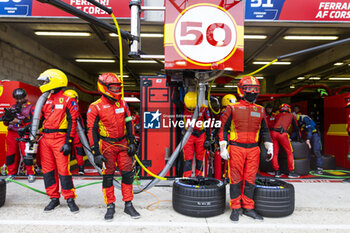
x: 248, y: 84
x: 285, y: 108
x: 110, y: 85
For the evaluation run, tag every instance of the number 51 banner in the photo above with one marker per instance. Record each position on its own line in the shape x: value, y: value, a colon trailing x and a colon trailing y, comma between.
x: 204, y: 34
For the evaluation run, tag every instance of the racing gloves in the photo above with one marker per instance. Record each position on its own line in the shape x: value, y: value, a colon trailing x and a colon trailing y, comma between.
x: 223, y: 150
x: 269, y: 148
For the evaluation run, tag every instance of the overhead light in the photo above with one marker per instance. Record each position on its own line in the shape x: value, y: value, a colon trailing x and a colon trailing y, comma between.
x: 255, y: 37
x: 230, y: 86
x: 152, y: 56
x: 275, y: 63
x: 338, y: 64
x: 292, y: 86
x: 213, y: 85
x: 301, y: 78
x: 152, y: 35
x: 49, y: 33
x: 145, y: 35
x: 131, y: 99
x: 180, y: 63
x: 310, y: 37
x: 339, y: 78
x: 259, y: 77
x: 143, y: 61
x: 96, y: 60
x: 314, y: 78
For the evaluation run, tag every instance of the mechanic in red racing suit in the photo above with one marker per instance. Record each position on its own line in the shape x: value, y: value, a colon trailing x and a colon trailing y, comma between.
x: 78, y: 150
x: 246, y: 121
x: 279, y: 135
x: 23, y: 114
x: 107, y: 119
x: 199, y: 141
x: 58, y: 120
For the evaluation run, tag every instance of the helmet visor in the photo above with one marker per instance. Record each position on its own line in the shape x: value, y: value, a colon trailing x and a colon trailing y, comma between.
x: 114, y: 87
x: 251, y: 89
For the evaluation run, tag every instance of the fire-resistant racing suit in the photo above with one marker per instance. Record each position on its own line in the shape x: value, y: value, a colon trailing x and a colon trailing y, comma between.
x: 279, y: 135
x: 246, y: 121
x: 13, y: 147
x: 195, y: 143
x: 270, y: 118
x: 59, y: 115
x: 106, y: 121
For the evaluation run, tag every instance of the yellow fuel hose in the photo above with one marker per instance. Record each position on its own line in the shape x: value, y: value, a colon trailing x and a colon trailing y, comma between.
x: 120, y: 52
x: 148, y: 171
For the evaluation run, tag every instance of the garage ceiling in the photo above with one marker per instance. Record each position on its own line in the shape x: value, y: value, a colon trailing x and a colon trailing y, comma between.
x: 282, y: 76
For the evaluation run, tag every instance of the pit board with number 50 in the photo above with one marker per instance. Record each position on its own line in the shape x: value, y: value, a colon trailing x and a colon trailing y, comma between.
x: 204, y: 35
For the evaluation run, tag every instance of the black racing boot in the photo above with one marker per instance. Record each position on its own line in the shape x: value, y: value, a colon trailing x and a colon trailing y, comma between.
x: 293, y: 174
x: 72, y: 206
x: 130, y: 210
x: 81, y: 170
x: 52, y: 205
x: 234, y: 215
x: 319, y: 171
x: 253, y: 214
x: 278, y: 174
x: 110, y: 212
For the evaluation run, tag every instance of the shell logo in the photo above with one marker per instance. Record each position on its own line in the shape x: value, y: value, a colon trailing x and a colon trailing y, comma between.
x: 1, y: 90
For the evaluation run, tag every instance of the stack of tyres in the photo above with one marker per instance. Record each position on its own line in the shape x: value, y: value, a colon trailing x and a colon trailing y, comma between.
x: 301, y: 161
x: 2, y: 192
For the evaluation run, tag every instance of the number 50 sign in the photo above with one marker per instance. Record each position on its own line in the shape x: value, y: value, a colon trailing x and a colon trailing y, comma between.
x: 204, y: 35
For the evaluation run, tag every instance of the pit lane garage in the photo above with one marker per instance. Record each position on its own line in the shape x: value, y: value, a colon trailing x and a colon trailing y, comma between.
x: 317, y: 81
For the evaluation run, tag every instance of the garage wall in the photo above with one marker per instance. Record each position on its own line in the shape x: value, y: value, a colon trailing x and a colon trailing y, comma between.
x: 23, y: 59
x: 18, y: 65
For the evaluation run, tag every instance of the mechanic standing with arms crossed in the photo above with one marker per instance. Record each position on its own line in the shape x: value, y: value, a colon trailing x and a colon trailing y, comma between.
x: 58, y: 120
x: 107, y: 119
x: 247, y: 121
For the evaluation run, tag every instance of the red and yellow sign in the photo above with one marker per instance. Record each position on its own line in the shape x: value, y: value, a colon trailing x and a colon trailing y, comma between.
x: 204, y: 35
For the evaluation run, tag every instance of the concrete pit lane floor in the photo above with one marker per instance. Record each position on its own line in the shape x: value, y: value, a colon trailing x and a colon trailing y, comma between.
x: 321, y: 206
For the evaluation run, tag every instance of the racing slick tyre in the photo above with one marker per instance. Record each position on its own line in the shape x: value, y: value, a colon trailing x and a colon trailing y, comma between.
x: 274, y: 198
x: 194, y: 197
x: 300, y: 150
x: 2, y: 192
x: 328, y: 162
x: 263, y: 165
x: 301, y: 166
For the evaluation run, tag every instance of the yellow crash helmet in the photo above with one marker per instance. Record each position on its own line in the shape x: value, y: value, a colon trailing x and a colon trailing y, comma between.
x: 228, y: 99
x: 52, y: 78
x: 191, y: 100
x: 72, y: 94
